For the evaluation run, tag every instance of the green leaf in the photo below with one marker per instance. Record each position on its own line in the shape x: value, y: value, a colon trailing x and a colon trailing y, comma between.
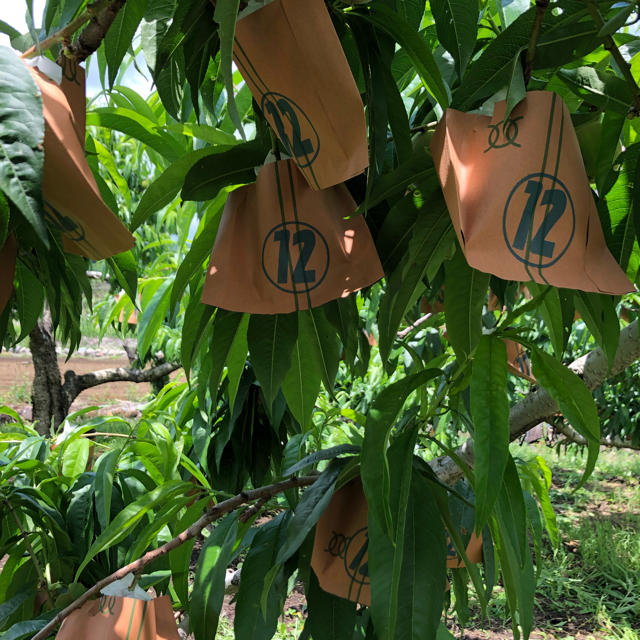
x: 103, y: 485
x: 616, y: 21
x: 598, y: 311
x: 21, y: 137
x: 195, y: 329
x: 375, y: 472
x: 271, y: 341
x: 457, y: 28
x: 516, y: 89
x: 387, y: 20
x: 166, y: 187
x: 329, y: 617
x: 225, y: 15
x: 226, y: 325
x: 13, y: 604
x: 465, y: 292
x: 153, y: 317
x: 170, y: 84
x: 235, y: 166
x: 314, y: 501
x: 551, y: 312
x: 490, y: 415
x: 208, y: 585
x: 124, y: 523
x: 405, y: 283
x: 251, y: 622
x: 125, y: 268
x: 301, y: 385
x: 237, y: 359
x: 574, y: 399
x: 601, y: 88
x: 29, y: 297
x: 120, y: 34
x: 317, y: 456
x: 137, y: 126
x: 75, y: 458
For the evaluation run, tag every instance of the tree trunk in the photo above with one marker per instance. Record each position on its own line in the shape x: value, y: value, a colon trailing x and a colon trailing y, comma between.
x: 49, y: 402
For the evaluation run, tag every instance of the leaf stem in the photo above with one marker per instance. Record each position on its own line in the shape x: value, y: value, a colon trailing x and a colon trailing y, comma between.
x: 34, y: 558
x: 623, y: 65
x: 541, y: 7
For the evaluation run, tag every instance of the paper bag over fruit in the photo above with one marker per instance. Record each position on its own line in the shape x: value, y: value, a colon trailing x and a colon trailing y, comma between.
x: 519, y: 197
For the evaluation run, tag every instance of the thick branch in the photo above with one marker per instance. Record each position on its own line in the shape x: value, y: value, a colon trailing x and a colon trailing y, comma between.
x: 538, y: 405
x: 75, y: 384
x: 194, y: 530
x: 610, y: 441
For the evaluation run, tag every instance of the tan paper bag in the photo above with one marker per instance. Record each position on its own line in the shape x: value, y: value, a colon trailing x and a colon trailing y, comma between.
x: 519, y: 197
x: 340, y: 550
x: 282, y: 246
x: 113, y: 618
x: 518, y: 361
x: 8, y: 254
x: 71, y: 196
x: 291, y: 57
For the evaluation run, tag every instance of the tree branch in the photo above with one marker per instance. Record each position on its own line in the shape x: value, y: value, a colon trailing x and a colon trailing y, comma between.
x: 541, y: 7
x: 75, y: 384
x: 194, y: 530
x: 538, y: 405
x: 405, y: 332
x: 610, y: 441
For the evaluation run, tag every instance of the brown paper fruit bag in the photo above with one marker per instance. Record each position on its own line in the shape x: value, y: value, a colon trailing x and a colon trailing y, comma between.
x: 282, y: 246
x: 518, y: 361
x: 8, y: 253
x: 113, y: 618
x: 71, y: 196
x: 340, y: 549
x: 519, y: 197
x: 291, y: 57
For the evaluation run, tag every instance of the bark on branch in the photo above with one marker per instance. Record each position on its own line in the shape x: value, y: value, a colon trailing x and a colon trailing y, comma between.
x: 216, y: 512
x: 610, y: 441
x: 75, y: 384
x: 538, y: 405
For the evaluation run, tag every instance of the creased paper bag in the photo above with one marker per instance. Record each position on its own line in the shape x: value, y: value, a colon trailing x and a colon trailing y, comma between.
x: 282, y: 246
x: 113, y: 618
x: 8, y: 253
x: 71, y: 196
x: 291, y: 57
x: 519, y: 197
x: 518, y: 360
x: 340, y: 551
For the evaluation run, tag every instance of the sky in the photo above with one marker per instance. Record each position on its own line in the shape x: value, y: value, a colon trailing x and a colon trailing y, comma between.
x: 13, y: 13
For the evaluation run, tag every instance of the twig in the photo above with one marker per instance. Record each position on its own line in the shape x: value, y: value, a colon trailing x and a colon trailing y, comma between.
x: 66, y: 32
x: 32, y: 553
x: 405, y: 332
x: 610, y: 441
x: 541, y: 7
x: 623, y: 65
x: 248, y: 513
x: 216, y: 512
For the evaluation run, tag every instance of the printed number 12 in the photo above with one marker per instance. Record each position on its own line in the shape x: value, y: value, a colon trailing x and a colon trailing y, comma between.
x: 558, y: 201
x: 307, y: 238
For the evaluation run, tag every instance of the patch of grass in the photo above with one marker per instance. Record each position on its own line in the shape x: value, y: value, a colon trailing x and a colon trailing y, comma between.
x: 19, y: 393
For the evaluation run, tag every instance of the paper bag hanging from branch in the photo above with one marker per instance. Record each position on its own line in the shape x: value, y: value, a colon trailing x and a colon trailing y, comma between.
x: 340, y: 556
x: 518, y: 361
x: 113, y: 618
x: 8, y: 253
x: 282, y: 246
x: 291, y: 57
x: 71, y: 196
x: 519, y: 197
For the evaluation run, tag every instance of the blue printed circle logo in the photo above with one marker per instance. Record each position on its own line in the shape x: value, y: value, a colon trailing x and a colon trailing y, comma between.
x: 295, y: 257
x: 296, y: 132
x: 539, y: 220
x: 356, y: 556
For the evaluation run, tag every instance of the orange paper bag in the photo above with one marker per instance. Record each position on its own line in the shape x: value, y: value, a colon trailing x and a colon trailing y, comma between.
x: 113, y: 618
x: 340, y: 556
x: 71, y: 196
x: 8, y: 255
x: 291, y: 57
x: 519, y: 197
x: 518, y: 361
x: 282, y: 246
